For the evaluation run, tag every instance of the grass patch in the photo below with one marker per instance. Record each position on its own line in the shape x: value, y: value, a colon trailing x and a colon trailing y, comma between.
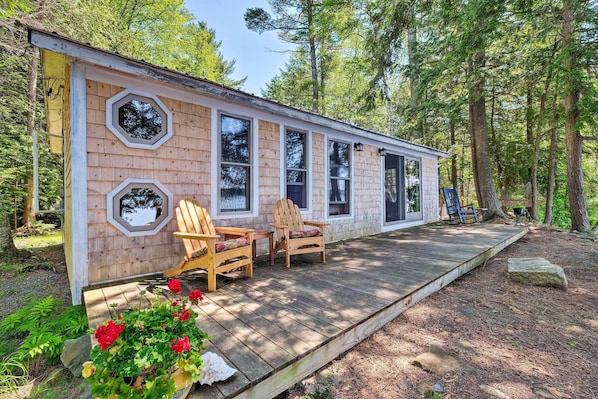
x: 39, y: 241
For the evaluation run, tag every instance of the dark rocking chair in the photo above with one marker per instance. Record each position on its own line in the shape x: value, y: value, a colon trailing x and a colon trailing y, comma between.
x: 455, y: 209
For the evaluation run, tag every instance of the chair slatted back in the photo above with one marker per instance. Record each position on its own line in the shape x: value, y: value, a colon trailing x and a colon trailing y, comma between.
x: 286, y: 212
x: 193, y: 218
x: 451, y: 199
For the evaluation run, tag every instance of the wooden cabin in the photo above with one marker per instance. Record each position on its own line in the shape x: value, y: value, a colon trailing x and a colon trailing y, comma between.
x: 138, y: 138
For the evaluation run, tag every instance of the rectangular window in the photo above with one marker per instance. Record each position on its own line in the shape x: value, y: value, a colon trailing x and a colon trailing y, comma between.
x: 412, y: 185
x: 339, y: 172
x: 296, y: 166
x: 235, y: 163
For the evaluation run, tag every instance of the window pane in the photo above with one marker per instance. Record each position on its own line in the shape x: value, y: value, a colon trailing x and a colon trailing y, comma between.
x: 297, y: 195
x: 140, y: 120
x: 338, y: 159
x: 235, y: 139
x: 412, y: 181
x: 234, y: 192
x: 338, y: 190
x: 140, y: 206
x: 295, y: 147
x: 295, y: 176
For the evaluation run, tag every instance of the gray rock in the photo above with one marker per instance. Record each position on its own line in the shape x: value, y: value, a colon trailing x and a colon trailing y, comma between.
x: 537, y: 271
x: 438, y: 361
x: 495, y: 393
x: 438, y: 387
x: 75, y: 352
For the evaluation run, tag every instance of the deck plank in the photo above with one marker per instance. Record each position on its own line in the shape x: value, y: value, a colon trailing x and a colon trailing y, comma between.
x: 283, y: 324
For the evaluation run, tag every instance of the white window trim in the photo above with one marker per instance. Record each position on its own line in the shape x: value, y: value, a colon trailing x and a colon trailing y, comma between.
x: 123, y: 228
x: 351, y: 213
x: 215, y: 213
x: 416, y: 216
x: 308, y: 161
x: 408, y: 222
x: 122, y: 137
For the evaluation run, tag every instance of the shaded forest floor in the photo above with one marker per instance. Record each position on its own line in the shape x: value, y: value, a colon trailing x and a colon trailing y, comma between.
x: 501, y: 339
x: 495, y: 338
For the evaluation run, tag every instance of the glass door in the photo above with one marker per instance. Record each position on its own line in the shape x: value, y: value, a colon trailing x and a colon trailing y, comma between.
x: 402, y: 188
x: 394, y: 188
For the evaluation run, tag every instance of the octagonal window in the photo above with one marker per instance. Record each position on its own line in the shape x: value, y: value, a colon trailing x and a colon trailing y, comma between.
x: 139, y: 207
x: 139, y: 120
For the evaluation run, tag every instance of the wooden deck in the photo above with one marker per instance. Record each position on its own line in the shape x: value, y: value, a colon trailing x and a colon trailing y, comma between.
x: 283, y: 324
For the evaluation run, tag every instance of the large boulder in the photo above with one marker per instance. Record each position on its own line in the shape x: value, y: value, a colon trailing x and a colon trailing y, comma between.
x: 75, y: 352
x: 537, y: 271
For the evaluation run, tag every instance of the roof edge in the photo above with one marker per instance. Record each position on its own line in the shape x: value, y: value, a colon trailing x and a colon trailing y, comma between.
x: 87, y: 53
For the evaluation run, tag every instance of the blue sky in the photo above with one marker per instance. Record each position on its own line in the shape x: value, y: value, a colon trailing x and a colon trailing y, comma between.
x: 258, y: 56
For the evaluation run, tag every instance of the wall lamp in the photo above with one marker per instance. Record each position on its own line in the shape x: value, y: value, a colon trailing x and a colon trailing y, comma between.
x: 358, y: 146
x: 382, y: 152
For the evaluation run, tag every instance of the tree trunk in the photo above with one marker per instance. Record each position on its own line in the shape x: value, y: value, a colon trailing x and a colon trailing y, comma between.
x: 414, y: 83
x: 575, y: 183
x: 313, y: 59
x: 7, y: 245
x: 552, y: 162
x: 482, y: 168
x: 28, y: 209
x: 454, y: 171
x: 497, y: 160
x: 536, y: 155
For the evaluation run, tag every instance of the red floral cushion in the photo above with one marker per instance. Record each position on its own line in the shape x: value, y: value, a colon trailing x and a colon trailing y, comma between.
x: 222, y: 246
x: 231, y: 244
x: 305, y: 233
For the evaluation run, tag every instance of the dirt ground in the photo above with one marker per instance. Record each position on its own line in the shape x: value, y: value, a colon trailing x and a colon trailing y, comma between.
x: 500, y: 339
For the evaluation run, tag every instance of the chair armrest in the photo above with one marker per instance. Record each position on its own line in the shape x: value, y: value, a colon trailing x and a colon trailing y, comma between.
x: 194, y: 236
x: 279, y: 226
x: 316, y: 224
x: 285, y: 231
x: 233, y: 230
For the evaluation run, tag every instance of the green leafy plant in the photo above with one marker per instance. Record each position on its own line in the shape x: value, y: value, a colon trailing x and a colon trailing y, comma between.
x: 140, y: 351
x: 41, y: 327
x: 429, y: 394
x: 13, y: 374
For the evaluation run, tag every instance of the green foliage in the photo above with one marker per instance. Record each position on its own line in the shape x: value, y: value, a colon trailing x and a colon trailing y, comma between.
x: 317, y: 395
x: 13, y: 374
x: 147, y: 345
x: 41, y: 327
x: 429, y: 394
x: 162, y: 32
x: 47, y: 239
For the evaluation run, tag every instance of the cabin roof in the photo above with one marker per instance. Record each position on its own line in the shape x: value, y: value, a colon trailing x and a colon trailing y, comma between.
x: 57, y: 50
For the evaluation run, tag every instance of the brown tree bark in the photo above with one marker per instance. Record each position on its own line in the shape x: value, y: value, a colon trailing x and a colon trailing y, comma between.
x: 313, y: 57
x: 418, y: 134
x: 454, y: 171
x: 536, y: 156
x: 7, y: 245
x: 28, y: 208
x: 482, y: 167
x: 552, y: 162
x: 573, y: 139
x: 497, y: 159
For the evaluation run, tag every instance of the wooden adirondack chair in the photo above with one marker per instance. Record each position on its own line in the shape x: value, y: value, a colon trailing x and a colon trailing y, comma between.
x: 455, y: 209
x: 292, y: 236
x: 206, y: 247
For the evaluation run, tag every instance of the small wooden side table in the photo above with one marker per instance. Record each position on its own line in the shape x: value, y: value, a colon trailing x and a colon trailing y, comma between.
x: 261, y: 234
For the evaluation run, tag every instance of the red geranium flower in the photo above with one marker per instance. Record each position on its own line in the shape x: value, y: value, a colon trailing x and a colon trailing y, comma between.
x: 175, y: 286
x: 196, y: 295
x: 180, y: 345
x: 108, y: 333
x: 184, y: 316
